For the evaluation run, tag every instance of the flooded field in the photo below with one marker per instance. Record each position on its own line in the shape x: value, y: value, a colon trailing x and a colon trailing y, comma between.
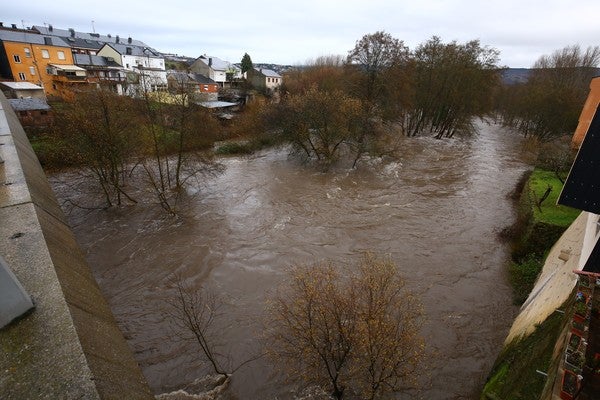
x: 436, y: 210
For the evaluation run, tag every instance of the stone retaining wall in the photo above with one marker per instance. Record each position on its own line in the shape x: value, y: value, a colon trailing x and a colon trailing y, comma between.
x: 69, y: 347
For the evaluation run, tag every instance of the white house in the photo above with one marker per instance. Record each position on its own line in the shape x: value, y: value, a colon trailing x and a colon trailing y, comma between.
x: 143, y: 61
x: 220, y: 71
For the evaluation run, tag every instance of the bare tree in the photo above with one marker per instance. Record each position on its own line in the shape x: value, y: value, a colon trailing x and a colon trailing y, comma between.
x: 348, y: 332
x: 198, y: 315
x: 319, y: 122
x: 453, y: 82
x: 547, y: 106
x: 98, y: 128
x: 177, y: 132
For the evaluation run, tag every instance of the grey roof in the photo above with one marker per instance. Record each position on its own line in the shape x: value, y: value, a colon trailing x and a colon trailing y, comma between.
x: 203, y: 79
x: 21, y: 85
x: 217, y: 64
x: 183, y: 76
x: 28, y: 104
x: 89, y: 36
x: 143, y: 51
x: 268, y: 72
x: 87, y: 60
x: 83, y: 43
x: 33, y: 38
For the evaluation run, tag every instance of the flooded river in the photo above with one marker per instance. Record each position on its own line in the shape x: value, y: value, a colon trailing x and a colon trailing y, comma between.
x: 436, y: 210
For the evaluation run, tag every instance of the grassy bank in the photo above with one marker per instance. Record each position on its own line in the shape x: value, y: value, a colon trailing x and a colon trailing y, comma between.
x: 540, y: 224
x: 515, y: 376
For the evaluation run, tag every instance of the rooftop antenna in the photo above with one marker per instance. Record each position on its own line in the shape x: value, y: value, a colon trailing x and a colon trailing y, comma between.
x: 93, y: 27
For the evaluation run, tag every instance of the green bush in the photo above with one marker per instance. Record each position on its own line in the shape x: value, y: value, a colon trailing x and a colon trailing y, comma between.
x: 523, y: 276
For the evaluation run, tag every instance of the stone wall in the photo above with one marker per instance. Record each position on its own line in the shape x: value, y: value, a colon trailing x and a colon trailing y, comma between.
x: 69, y: 347
x: 555, y: 282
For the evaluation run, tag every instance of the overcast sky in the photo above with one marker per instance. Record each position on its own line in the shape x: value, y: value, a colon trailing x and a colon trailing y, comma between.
x: 285, y: 32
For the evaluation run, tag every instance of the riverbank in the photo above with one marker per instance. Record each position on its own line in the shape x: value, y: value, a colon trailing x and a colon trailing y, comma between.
x: 531, y: 343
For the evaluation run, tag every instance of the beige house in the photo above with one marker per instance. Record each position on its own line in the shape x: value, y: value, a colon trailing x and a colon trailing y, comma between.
x: 265, y: 79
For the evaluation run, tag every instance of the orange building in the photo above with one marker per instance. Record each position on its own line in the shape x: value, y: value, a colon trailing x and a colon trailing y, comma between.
x: 43, y: 60
x: 587, y: 113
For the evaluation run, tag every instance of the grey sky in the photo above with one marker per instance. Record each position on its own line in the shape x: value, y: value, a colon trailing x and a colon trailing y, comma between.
x: 294, y: 32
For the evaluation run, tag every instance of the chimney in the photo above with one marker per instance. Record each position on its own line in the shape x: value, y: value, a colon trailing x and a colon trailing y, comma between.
x: 129, y: 40
x: 210, y: 62
x: 117, y: 39
x: 1, y: 24
x: 50, y: 27
x: 72, y: 31
x: 14, y: 26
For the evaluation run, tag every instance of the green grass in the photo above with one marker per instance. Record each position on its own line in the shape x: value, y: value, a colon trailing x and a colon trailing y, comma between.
x: 514, y: 376
x: 550, y: 212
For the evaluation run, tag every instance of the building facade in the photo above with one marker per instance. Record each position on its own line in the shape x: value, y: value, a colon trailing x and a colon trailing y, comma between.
x: 46, y: 61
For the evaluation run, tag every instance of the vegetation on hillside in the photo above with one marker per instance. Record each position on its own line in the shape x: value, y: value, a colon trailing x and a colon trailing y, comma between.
x: 515, y: 374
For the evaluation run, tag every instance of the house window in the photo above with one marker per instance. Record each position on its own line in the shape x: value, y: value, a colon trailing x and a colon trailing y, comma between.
x: 61, y: 55
x: 32, y: 70
x: 45, y: 53
x: 22, y: 76
x: 27, y: 52
x: 17, y: 58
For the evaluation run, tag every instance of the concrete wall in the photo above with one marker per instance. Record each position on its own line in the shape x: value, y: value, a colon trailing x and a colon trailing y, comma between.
x: 69, y: 347
x: 556, y: 281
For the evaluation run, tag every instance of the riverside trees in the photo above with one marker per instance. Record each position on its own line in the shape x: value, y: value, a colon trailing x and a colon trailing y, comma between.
x: 352, y: 334
x: 437, y: 88
x: 548, y: 104
x: 112, y: 135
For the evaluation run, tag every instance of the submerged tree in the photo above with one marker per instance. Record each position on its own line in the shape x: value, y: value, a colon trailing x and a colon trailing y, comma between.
x: 175, y: 131
x: 453, y: 83
x: 319, y: 122
x: 349, y: 333
x: 98, y: 128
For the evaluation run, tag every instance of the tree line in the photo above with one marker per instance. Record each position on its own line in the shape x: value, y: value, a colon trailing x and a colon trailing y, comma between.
x: 353, y: 103
x: 334, y: 107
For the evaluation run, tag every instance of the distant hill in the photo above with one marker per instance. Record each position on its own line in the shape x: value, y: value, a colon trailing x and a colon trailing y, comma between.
x: 280, y: 69
x: 513, y: 76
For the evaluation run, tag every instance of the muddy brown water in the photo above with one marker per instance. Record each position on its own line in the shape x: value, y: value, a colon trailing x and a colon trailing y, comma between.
x: 436, y: 209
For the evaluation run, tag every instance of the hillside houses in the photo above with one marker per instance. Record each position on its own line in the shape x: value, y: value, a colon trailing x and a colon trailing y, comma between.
x: 61, y: 62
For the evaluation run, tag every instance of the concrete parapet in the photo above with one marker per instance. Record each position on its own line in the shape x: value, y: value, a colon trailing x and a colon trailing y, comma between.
x: 555, y: 282
x: 69, y: 347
